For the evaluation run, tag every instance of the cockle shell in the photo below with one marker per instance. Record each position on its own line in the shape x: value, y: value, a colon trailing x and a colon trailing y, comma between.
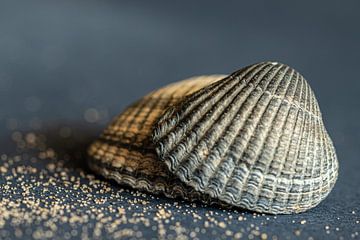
x: 254, y: 139
x: 125, y: 151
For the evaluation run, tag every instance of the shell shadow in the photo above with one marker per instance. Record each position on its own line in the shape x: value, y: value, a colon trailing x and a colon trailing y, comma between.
x: 72, y: 148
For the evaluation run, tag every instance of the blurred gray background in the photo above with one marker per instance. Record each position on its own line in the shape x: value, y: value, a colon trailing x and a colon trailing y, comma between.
x: 82, y: 62
x: 65, y: 60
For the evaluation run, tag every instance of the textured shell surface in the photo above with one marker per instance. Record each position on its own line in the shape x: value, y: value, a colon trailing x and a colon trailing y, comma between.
x: 124, y: 151
x: 254, y: 139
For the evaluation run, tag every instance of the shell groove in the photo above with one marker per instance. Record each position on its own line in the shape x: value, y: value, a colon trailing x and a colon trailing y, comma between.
x: 254, y: 139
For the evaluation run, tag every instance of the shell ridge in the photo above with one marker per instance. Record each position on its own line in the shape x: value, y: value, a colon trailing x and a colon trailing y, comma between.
x: 332, y: 160
x: 316, y: 104
x: 299, y: 110
x: 306, y: 145
x: 202, y: 102
x: 165, y: 120
x: 152, y: 105
x: 290, y: 123
x: 316, y: 185
x: 173, y: 149
x: 251, y: 87
x: 191, y: 84
x: 158, y: 185
x: 290, y: 204
x: 167, y: 101
x: 142, y: 148
x: 324, y: 164
x: 133, y: 112
x: 193, y: 150
x: 136, y: 114
x: 295, y: 142
x: 241, y: 97
x: 266, y: 140
x: 335, y: 160
x: 280, y: 179
x: 297, y: 149
x: 252, y: 69
x: 296, y: 105
x: 217, y: 87
x: 331, y: 151
x: 312, y: 100
x: 310, y: 154
x: 267, y: 131
x: 189, y: 129
x: 242, y: 121
x: 259, y: 96
x: 116, y: 121
x: 211, y: 156
x: 144, y: 184
x: 244, y: 184
x: 327, y: 162
x: 302, y: 139
x: 209, y: 96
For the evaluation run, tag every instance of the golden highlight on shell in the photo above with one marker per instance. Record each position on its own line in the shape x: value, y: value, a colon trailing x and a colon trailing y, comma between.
x: 254, y: 139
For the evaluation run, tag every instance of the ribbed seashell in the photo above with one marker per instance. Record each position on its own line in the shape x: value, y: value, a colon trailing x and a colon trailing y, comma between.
x: 125, y: 152
x: 254, y: 139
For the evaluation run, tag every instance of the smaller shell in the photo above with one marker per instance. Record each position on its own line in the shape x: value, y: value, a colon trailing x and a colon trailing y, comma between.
x: 125, y: 152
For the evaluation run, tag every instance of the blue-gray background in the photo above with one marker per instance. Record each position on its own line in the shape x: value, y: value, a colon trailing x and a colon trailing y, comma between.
x: 81, y: 62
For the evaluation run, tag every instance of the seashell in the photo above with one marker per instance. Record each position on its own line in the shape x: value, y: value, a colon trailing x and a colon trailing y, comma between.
x: 125, y: 153
x: 254, y: 139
